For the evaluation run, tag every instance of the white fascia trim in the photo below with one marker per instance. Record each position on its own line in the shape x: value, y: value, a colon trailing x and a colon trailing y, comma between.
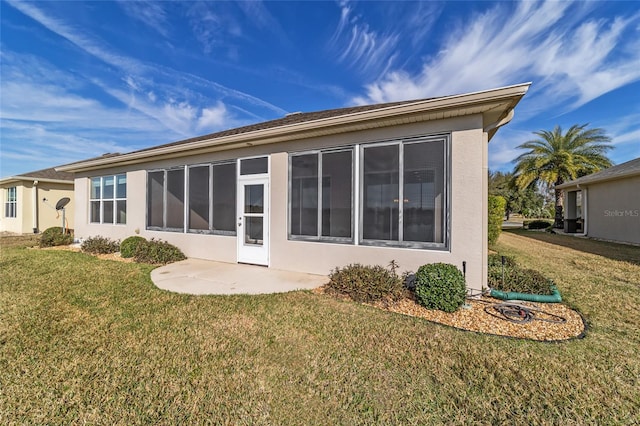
x: 11, y: 179
x: 296, y: 130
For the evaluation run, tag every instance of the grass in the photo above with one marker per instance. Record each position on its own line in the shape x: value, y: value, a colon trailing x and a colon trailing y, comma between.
x: 84, y: 340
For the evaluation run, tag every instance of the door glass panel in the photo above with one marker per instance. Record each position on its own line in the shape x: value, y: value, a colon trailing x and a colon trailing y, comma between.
x: 254, y: 198
x: 253, y: 231
x: 254, y: 166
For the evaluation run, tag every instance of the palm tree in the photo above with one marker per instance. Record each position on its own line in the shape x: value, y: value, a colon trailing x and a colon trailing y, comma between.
x: 555, y: 158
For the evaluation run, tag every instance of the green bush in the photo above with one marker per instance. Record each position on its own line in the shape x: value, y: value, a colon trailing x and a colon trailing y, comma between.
x: 366, y: 283
x: 518, y: 279
x: 100, y: 245
x: 55, y: 237
x: 129, y: 245
x: 158, y: 252
x: 497, y: 205
x: 440, y: 286
x: 539, y: 224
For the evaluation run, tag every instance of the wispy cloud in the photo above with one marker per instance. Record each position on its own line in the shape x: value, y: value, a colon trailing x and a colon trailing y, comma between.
x: 150, y: 13
x: 570, y: 58
x: 141, y: 71
x: 361, y: 47
x: 258, y: 14
x: 375, y: 50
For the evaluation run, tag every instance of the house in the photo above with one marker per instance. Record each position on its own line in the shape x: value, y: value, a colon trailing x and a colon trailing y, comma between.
x: 605, y: 204
x: 403, y: 181
x: 29, y: 201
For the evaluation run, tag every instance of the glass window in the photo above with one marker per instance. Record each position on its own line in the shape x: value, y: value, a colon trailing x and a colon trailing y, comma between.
x: 121, y: 212
x: 95, y: 188
x: 380, y: 207
x: 254, y: 198
x: 121, y: 186
x: 423, y: 192
x: 175, y: 198
x: 304, y: 195
x: 155, y: 199
x: 108, y: 204
x: 224, y: 197
x: 325, y: 212
x: 107, y: 187
x: 404, y: 201
x: 254, y: 166
x: 95, y: 212
x: 337, y: 191
x: 11, y: 205
x: 199, y: 197
x: 211, y: 201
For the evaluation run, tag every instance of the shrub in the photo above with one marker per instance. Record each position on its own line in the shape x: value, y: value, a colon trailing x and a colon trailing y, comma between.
x: 158, y: 252
x: 539, y: 224
x: 100, y: 245
x: 55, y: 237
x: 129, y: 245
x: 518, y: 279
x: 497, y: 205
x: 440, y: 286
x: 366, y: 283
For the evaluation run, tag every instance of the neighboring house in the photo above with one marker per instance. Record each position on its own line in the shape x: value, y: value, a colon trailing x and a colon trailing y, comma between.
x: 29, y: 201
x: 605, y: 204
x: 403, y: 181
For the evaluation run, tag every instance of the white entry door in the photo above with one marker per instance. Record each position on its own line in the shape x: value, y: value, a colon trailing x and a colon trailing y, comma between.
x: 253, y: 220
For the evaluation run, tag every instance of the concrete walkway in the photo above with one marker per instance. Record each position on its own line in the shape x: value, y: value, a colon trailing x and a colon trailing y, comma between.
x: 196, y: 276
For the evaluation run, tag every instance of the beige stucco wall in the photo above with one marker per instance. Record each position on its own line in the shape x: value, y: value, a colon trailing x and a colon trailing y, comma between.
x: 468, y: 206
x: 613, y: 210
x: 47, y: 216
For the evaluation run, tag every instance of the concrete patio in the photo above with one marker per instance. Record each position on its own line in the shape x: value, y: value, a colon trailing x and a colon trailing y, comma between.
x: 196, y: 276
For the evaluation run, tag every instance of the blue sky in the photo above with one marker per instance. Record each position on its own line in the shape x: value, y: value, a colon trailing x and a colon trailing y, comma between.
x: 79, y: 79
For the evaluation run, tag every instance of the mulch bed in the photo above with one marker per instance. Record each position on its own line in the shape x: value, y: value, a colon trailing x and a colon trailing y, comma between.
x: 474, y: 317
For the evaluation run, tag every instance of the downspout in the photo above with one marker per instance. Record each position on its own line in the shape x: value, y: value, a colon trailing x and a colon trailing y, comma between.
x: 35, y: 207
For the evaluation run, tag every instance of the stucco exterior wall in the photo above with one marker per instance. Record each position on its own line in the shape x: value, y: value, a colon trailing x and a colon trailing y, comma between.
x: 468, y: 169
x: 613, y: 210
x: 47, y: 216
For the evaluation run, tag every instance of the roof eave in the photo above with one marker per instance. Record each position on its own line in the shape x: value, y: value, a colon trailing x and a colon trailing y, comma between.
x: 11, y: 179
x: 586, y: 182
x: 332, y: 125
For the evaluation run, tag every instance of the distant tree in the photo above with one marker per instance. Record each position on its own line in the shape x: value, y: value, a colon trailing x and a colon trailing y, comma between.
x: 555, y: 158
x: 528, y: 201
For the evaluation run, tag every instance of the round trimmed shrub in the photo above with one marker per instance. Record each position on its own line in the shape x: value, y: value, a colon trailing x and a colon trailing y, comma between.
x: 55, y: 237
x: 440, y: 286
x: 129, y: 245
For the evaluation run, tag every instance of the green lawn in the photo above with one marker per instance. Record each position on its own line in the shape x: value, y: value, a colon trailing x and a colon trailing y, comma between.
x: 90, y: 341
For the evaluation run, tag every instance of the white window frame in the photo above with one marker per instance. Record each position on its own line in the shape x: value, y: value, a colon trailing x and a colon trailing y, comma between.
x: 11, y: 203
x: 102, y: 199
